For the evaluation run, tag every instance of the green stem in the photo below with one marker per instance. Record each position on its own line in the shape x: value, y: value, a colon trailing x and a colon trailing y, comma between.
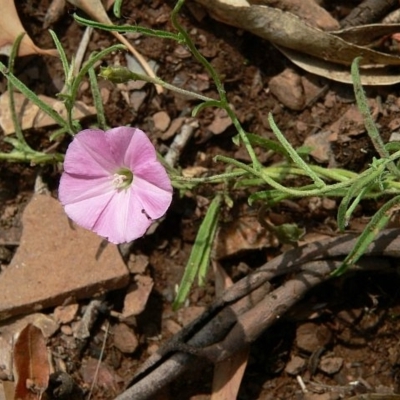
x: 218, y: 83
x: 292, y: 153
x: 301, y: 192
x: 209, y: 179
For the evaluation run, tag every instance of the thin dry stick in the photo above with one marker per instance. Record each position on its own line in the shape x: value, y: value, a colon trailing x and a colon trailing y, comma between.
x: 96, y: 373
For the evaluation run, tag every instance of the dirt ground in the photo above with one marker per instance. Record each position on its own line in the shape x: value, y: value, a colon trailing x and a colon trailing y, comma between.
x: 352, y: 322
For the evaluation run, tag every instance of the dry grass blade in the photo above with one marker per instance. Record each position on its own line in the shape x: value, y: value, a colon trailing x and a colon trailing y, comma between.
x: 95, y: 9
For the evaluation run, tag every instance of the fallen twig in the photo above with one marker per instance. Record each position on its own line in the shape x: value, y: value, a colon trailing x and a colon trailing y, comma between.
x: 249, y: 307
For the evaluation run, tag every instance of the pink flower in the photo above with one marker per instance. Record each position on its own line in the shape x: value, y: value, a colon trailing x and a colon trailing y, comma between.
x: 113, y: 183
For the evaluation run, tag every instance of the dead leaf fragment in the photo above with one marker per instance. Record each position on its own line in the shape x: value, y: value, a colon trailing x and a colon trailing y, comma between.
x: 308, y: 10
x: 54, y: 13
x: 31, y: 364
x: 31, y: 116
x: 11, y: 28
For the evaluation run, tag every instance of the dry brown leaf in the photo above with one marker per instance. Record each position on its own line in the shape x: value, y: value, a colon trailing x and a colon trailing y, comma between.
x: 327, y: 54
x: 287, y: 30
x: 95, y: 9
x: 31, y: 116
x: 341, y: 73
x: 31, y: 364
x: 11, y: 28
x: 308, y: 10
x: 366, y: 34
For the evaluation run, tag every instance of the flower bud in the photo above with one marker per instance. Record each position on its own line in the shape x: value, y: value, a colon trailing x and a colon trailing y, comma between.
x: 117, y: 74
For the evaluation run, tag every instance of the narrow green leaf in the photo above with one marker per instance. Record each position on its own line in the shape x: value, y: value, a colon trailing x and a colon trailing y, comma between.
x: 61, y: 52
x: 377, y: 223
x: 357, y: 190
x: 200, y: 256
x: 369, y: 123
x: 101, y: 119
x: 127, y: 28
x: 32, y: 96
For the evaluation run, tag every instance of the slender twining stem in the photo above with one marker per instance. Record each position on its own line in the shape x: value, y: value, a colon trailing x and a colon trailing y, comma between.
x: 123, y: 74
x: 209, y: 179
x: 293, y: 154
x: 218, y: 83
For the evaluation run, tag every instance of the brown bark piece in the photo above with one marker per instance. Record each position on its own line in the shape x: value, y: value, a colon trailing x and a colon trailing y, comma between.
x: 57, y: 261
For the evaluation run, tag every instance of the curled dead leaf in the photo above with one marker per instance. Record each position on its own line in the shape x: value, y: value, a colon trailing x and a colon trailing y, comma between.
x: 11, y: 28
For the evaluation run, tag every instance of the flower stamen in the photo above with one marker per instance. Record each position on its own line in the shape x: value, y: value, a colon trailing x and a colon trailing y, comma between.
x: 122, y: 179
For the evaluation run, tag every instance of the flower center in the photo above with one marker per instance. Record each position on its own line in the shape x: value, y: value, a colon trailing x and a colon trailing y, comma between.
x: 122, y: 179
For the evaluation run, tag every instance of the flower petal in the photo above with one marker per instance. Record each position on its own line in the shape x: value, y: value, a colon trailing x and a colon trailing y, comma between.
x: 154, y: 200
x: 87, y: 212
x: 76, y: 188
x: 122, y: 220
x: 90, y: 153
x: 154, y: 173
x: 131, y: 147
x: 152, y: 185
x: 88, y: 192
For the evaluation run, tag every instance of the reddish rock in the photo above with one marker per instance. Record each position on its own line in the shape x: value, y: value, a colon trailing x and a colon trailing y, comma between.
x: 57, y: 261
